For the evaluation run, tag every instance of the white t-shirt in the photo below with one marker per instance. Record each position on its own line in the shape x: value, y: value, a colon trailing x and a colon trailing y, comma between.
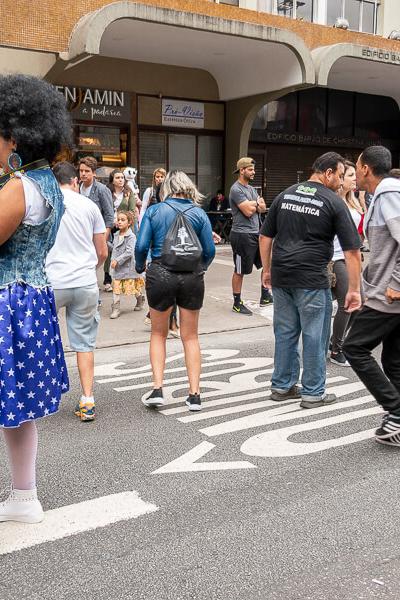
x: 145, y: 202
x: 85, y: 191
x: 118, y: 197
x: 72, y: 261
x: 36, y: 210
x: 337, y: 249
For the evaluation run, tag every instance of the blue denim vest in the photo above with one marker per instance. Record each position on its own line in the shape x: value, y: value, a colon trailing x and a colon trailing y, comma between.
x: 23, y: 255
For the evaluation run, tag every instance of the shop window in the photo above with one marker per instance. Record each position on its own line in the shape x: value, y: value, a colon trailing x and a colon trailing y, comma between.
x: 107, y: 144
x: 199, y: 156
x: 377, y: 117
x: 182, y: 153
x: 209, y: 165
x: 278, y: 115
x: 340, y: 113
x: 152, y: 154
x: 312, y: 111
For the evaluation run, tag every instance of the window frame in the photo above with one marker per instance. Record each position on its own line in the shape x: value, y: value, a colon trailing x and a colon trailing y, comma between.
x: 376, y: 4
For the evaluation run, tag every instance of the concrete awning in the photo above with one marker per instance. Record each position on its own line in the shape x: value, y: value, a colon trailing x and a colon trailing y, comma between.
x: 27, y: 62
x: 245, y: 59
x: 359, y: 69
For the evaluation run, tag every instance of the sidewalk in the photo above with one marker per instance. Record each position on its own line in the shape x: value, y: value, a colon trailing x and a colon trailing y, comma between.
x: 215, y: 317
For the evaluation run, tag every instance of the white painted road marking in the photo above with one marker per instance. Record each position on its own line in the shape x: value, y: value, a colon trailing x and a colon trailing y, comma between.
x: 243, y: 407
x: 73, y: 519
x: 265, y: 418
x: 248, y: 379
x: 187, y: 462
x: 276, y: 443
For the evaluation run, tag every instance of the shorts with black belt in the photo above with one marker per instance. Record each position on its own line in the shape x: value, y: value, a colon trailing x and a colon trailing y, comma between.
x: 165, y: 288
x: 246, y: 252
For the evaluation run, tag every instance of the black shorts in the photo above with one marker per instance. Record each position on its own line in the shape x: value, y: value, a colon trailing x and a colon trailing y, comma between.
x: 165, y: 288
x: 246, y: 252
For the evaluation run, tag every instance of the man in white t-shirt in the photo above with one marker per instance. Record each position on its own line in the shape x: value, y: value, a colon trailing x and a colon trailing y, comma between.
x: 80, y: 248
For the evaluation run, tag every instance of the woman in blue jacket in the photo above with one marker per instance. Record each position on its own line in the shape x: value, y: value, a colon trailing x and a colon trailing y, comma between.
x: 164, y: 288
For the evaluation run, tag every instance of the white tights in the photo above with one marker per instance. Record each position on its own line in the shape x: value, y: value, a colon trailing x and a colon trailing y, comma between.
x: 22, y: 443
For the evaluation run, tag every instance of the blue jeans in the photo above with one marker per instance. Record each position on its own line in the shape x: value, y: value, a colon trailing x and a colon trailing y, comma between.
x: 306, y: 312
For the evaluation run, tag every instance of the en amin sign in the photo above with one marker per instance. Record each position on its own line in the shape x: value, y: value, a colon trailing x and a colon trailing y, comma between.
x: 88, y: 104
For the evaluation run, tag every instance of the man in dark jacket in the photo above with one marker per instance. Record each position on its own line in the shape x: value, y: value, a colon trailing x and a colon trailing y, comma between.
x: 96, y: 191
x: 102, y: 197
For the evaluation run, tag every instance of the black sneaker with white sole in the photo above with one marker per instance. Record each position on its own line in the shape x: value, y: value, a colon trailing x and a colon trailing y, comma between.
x: 338, y: 358
x: 155, y: 399
x: 389, y: 431
x: 241, y: 309
x: 193, y: 402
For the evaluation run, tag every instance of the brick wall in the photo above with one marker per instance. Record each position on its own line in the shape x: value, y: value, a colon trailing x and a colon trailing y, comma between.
x: 47, y: 24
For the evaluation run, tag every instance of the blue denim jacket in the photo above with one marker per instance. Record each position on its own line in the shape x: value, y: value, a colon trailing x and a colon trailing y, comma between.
x: 22, y: 256
x: 156, y: 222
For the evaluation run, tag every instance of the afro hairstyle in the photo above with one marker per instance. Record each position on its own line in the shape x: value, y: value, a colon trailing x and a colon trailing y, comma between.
x: 34, y: 114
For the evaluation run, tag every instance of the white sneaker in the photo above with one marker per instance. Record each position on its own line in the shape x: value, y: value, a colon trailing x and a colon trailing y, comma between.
x: 108, y: 287
x: 22, y: 506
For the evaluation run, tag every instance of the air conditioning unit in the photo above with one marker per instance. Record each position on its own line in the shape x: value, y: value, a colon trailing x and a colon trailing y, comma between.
x: 341, y: 23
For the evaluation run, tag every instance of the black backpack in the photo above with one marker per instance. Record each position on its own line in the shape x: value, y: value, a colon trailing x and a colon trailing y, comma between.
x: 182, y: 250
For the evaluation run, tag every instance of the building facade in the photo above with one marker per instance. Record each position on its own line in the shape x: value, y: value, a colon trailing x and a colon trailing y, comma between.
x: 196, y: 84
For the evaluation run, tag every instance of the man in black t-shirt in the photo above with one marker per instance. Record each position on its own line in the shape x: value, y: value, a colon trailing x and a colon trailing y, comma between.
x: 299, y: 231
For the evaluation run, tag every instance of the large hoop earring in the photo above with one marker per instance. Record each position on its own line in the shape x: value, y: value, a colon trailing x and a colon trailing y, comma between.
x: 14, y: 161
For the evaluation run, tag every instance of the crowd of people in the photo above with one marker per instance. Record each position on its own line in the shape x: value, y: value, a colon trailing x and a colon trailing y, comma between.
x: 58, y: 225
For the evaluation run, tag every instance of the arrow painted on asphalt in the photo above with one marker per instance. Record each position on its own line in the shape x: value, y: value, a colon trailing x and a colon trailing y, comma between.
x: 187, y: 462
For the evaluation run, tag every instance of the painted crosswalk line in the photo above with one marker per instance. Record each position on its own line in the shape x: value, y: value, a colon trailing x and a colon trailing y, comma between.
x: 71, y: 520
x: 232, y: 384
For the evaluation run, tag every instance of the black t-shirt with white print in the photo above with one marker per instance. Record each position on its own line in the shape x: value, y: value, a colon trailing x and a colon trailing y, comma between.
x: 303, y: 220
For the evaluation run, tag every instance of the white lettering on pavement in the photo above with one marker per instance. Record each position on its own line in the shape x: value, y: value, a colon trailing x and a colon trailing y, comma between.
x: 187, y: 462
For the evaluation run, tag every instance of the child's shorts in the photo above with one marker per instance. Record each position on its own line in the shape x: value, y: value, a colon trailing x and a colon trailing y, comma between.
x: 128, y: 287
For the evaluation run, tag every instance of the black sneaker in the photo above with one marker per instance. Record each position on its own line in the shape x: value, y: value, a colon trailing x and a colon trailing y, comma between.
x: 266, y: 298
x: 155, y: 399
x: 193, y: 402
x: 338, y: 358
x: 318, y: 401
x: 241, y: 309
x: 292, y: 394
x: 389, y: 431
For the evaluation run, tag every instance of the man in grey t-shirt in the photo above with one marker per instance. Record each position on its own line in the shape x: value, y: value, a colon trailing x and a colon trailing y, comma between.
x: 246, y: 208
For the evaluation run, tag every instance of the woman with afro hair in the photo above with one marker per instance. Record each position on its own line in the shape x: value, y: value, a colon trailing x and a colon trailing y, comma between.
x: 34, y: 125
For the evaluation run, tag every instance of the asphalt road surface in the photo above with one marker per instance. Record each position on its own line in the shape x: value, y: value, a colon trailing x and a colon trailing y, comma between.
x: 248, y: 499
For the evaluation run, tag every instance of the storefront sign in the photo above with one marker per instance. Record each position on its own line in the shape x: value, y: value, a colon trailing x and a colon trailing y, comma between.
x: 388, y: 56
x: 178, y: 113
x: 314, y: 140
x: 87, y: 104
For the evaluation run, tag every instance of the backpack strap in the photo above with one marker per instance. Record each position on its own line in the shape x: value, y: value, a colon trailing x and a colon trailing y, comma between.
x: 166, y: 203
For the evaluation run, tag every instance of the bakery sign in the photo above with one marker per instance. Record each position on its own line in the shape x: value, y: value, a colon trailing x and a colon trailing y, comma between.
x: 182, y: 113
x: 92, y: 104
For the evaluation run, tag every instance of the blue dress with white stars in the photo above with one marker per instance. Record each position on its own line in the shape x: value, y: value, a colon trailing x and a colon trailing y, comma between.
x: 33, y: 373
